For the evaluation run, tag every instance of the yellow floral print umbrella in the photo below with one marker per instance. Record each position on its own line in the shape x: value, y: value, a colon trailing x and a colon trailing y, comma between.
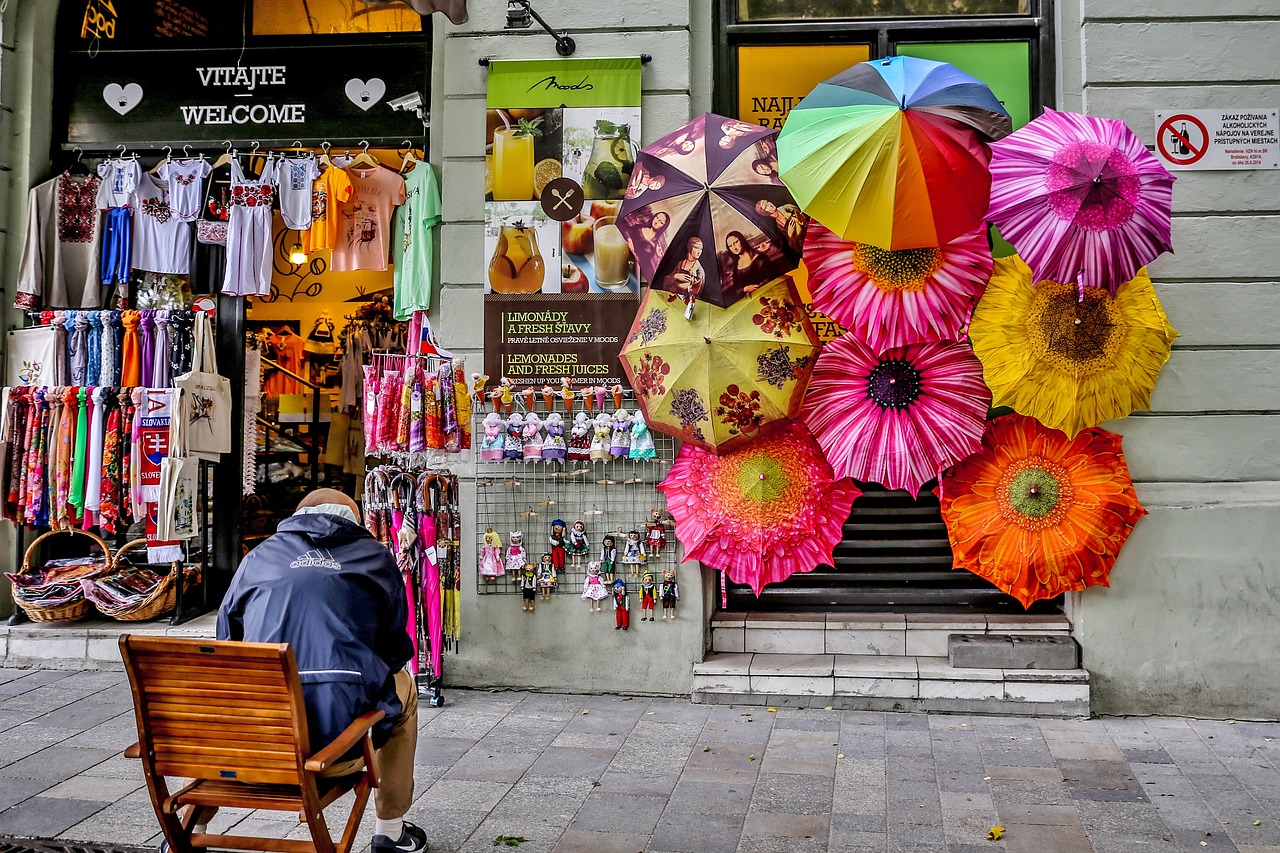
x: 729, y: 374
x: 1071, y: 357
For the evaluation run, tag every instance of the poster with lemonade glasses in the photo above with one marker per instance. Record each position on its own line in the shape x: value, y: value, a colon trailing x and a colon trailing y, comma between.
x: 564, y: 289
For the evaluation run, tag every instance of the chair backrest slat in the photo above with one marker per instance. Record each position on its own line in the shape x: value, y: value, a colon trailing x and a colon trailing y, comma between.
x: 216, y: 710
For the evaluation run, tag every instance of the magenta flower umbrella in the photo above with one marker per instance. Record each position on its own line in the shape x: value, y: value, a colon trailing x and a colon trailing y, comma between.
x: 890, y: 298
x: 1081, y: 199
x: 899, y: 418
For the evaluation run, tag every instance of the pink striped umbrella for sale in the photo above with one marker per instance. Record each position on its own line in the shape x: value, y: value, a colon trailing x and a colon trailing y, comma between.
x: 1081, y: 198
x: 898, y: 418
x: 891, y: 298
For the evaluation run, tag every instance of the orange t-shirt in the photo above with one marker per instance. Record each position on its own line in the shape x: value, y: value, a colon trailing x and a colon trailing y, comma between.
x: 329, y: 190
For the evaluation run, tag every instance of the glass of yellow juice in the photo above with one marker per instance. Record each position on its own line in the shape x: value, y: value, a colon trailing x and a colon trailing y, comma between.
x: 612, y: 255
x: 512, y: 165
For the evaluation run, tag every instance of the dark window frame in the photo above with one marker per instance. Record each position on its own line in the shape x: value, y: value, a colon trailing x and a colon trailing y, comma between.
x: 882, y: 35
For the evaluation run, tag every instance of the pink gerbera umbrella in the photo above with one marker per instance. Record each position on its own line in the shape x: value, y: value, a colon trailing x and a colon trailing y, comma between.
x: 899, y: 418
x: 894, y: 298
x: 762, y: 512
x: 1081, y: 199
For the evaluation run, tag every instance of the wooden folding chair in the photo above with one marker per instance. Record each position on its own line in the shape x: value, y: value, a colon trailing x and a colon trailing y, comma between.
x: 228, y: 719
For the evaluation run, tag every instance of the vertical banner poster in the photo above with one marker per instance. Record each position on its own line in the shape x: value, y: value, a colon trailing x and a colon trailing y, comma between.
x: 561, y: 287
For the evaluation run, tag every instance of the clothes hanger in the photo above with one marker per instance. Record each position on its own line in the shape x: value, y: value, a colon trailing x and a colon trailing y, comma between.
x: 364, y: 156
x: 168, y: 155
x: 78, y: 167
x: 324, y: 157
x: 226, y: 156
x: 410, y: 158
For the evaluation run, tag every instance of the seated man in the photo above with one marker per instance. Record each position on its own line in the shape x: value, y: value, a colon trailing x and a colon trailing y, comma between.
x: 324, y: 585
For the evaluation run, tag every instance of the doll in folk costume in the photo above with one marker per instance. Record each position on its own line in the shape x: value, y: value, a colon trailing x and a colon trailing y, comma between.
x: 655, y: 534
x: 621, y: 606
x: 602, y: 432
x: 548, y: 580
x: 608, y: 557
x: 633, y: 555
x: 531, y: 448
x: 494, y: 438
x: 620, y: 437
x: 491, y: 565
x: 669, y: 592
x: 513, y: 446
x: 515, y: 553
x: 578, y: 546
x: 593, y: 589
x: 648, y: 596
x: 558, y: 538
x: 528, y: 577
x: 553, y: 447
x: 641, y: 441
x: 580, y: 437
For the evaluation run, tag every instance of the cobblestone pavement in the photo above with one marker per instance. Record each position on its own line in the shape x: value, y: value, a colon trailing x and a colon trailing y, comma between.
x: 598, y: 774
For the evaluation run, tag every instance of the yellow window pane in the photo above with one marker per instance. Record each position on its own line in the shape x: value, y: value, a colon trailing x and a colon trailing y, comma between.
x: 331, y: 17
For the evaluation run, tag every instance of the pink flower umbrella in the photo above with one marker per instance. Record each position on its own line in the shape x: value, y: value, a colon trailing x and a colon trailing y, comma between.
x: 899, y: 418
x: 893, y: 298
x: 761, y: 512
x: 1081, y: 199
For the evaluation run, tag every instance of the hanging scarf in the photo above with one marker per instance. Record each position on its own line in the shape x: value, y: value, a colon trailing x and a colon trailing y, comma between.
x: 130, y: 350
x: 449, y: 419
x: 78, y: 323
x: 59, y: 323
x: 93, y: 349
x: 372, y: 416
x: 388, y: 410
x: 14, y: 428
x: 36, y: 512
x: 180, y: 342
x: 64, y: 452
x: 417, y: 439
x: 434, y: 437
x: 147, y: 347
x: 26, y: 440
x: 93, y: 479
x: 160, y: 376
x: 136, y: 452
x: 109, y: 485
x: 80, y: 455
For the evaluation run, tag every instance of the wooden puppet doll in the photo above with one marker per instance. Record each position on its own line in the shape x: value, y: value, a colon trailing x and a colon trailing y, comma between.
x: 621, y: 606
x: 648, y: 596
x: 513, y: 447
x: 655, y: 534
x: 491, y: 566
x: 578, y: 546
x: 547, y: 579
x: 553, y: 447
x: 580, y: 437
x: 670, y: 593
x: 620, y: 438
x: 608, y: 558
x: 531, y: 444
x: 558, y: 538
x: 528, y: 585
x: 641, y: 441
x: 593, y: 590
x: 515, y: 553
x: 601, y: 432
x: 633, y: 555
x: 494, y: 438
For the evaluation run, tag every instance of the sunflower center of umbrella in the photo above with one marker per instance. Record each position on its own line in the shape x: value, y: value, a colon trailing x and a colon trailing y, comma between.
x: 1034, y: 494
x: 762, y: 479
x: 1079, y: 336
x: 903, y: 270
x: 1093, y: 186
x: 893, y: 384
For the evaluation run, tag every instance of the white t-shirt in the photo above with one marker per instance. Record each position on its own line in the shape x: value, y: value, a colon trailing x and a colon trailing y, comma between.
x: 294, y: 177
x: 119, y: 180
x: 161, y: 243
x: 186, y: 186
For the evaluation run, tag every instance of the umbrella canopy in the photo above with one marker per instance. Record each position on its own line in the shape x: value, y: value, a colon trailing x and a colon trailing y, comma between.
x: 729, y: 374
x: 894, y: 298
x: 1081, y: 199
x: 893, y: 152
x: 1068, y: 357
x: 705, y: 212
x: 762, y: 512
x: 1037, y: 513
x: 898, y: 418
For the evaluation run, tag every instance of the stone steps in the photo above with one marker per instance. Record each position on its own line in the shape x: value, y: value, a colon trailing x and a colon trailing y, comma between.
x: 885, y: 682
x: 93, y: 644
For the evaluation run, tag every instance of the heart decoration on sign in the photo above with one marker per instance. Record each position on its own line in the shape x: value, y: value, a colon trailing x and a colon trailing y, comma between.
x: 365, y: 93
x: 122, y: 98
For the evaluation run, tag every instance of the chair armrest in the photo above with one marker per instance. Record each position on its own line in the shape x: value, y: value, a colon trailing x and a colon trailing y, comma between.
x: 342, y: 743
x: 133, y: 750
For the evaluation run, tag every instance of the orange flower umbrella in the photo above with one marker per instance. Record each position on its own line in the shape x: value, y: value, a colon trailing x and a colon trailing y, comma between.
x: 1037, y: 513
x: 762, y: 512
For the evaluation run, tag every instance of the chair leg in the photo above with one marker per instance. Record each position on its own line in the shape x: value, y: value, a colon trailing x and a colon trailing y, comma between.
x: 357, y: 812
x: 175, y: 831
x: 315, y: 817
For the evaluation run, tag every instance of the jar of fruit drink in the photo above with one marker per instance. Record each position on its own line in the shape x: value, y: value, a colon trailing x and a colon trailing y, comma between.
x: 516, y: 265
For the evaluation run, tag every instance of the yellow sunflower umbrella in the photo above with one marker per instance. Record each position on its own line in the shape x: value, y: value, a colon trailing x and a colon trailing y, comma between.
x: 729, y: 374
x: 1068, y: 356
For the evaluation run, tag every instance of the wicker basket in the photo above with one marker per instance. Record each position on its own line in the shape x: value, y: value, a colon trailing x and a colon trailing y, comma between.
x: 161, y: 600
x: 72, y: 610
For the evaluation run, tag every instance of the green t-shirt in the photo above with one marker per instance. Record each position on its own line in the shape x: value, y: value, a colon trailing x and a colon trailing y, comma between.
x: 413, y: 247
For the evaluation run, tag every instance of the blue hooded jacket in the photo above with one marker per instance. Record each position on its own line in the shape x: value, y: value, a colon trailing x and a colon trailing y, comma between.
x: 324, y: 585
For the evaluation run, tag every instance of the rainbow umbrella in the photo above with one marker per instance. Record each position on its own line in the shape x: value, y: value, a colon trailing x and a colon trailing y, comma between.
x: 1081, y: 199
x: 893, y: 298
x: 893, y: 152
x: 1037, y: 513
x: 706, y: 215
x: 760, y: 513
x: 1069, y: 358
x: 897, y: 418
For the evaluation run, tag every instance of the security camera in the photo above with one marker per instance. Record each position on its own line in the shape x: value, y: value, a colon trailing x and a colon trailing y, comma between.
x: 411, y: 101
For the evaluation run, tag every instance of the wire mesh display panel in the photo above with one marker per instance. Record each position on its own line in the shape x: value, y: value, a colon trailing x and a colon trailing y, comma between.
x: 610, y: 498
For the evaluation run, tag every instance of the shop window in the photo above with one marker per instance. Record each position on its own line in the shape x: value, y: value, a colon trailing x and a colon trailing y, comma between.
x: 331, y: 17
x: 764, y: 10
